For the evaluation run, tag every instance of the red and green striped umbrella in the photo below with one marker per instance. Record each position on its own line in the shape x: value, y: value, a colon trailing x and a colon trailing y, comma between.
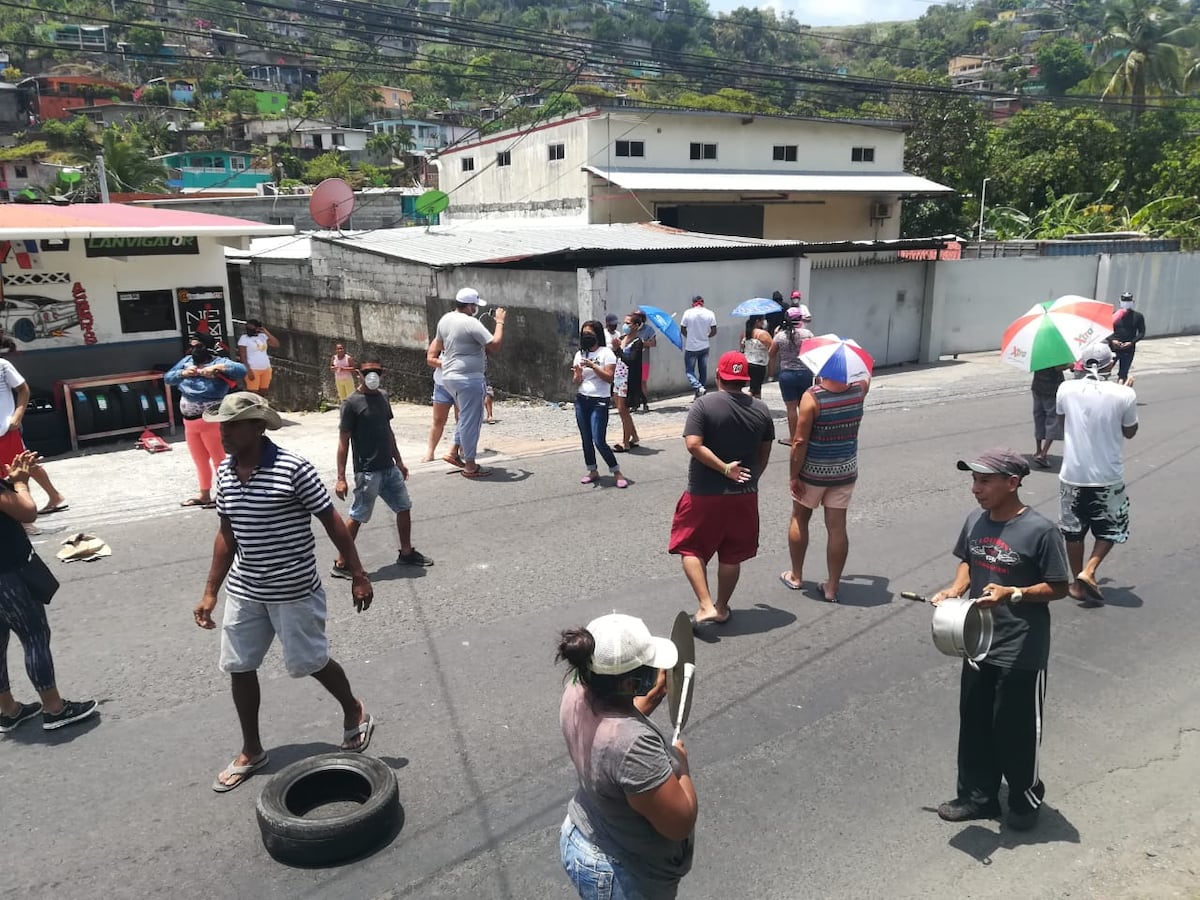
x: 1055, y: 333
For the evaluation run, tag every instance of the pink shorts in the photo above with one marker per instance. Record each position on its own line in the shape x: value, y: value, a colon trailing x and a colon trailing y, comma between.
x: 725, y: 525
x: 829, y: 497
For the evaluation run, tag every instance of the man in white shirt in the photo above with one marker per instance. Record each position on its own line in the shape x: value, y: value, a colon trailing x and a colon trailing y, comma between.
x: 1096, y: 416
x: 252, y: 347
x: 698, y: 326
x: 14, y: 398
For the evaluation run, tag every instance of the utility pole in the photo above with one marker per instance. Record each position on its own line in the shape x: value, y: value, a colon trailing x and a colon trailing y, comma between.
x: 982, y: 204
x: 102, y: 174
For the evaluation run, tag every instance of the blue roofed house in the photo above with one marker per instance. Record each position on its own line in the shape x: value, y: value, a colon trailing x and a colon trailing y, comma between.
x: 213, y: 170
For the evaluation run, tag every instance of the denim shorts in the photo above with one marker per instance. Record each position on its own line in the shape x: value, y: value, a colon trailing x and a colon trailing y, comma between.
x: 595, y: 874
x: 250, y: 627
x: 388, y: 484
x: 441, y: 395
x: 793, y: 383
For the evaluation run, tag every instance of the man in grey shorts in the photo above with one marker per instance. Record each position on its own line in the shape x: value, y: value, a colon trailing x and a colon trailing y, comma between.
x: 379, y: 470
x: 1098, y: 416
x: 267, y: 496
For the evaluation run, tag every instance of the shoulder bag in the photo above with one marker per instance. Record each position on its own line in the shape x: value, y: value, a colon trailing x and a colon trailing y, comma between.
x: 38, y: 578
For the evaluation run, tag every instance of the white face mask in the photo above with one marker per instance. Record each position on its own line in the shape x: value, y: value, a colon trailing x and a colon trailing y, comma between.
x: 371, y: 380
x: 1126, y: 304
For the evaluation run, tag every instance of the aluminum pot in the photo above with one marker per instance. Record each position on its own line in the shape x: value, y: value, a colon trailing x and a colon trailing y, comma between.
x: 961, y: 628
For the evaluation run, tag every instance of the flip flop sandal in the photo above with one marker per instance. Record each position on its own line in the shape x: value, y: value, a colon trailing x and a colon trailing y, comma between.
x: 456, y: 461
x: 1090, y: 589
x: 791, y: 586
x: 196, y: 501
x: 50, y: 510
x: 590, y: 478
x: 622, y: 482
x: 481, y: 472
x: 361, y: 732
x: 240, y: 772
x: 821, y: 594
x: 619, y: 448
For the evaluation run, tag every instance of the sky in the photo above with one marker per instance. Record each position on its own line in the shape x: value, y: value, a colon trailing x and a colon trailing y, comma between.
x: 835, y: 12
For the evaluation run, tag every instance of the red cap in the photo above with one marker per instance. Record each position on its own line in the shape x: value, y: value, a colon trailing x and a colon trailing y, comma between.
x: 796, y: 295
x: 733, y: 367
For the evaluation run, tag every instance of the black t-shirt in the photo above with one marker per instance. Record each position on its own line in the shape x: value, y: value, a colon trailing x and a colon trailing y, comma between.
x: 1131, y: 326
x: 14, y: 542
x: 734, y: 427
x: 1018, y: 553
x: 368, y: 419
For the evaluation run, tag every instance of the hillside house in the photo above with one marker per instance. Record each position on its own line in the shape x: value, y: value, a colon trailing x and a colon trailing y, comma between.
x: 771, y: 177
x: 213, y: 170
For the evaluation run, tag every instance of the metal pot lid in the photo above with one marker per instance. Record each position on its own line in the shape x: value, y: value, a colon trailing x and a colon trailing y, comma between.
x: 685, y: 642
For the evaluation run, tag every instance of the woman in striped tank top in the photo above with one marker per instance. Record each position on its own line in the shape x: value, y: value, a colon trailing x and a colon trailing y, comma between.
x: 824, y: 468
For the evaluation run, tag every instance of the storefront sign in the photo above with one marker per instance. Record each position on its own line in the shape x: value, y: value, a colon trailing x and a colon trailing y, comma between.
x: 202, y: 309
x: 141, y: 246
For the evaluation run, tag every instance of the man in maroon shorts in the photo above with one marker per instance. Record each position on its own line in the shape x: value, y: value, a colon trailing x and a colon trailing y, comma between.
x: 729, y: 435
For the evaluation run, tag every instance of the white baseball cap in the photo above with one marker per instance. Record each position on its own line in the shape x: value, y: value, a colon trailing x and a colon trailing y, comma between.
x: 469, y: 295
x: 624, y: 643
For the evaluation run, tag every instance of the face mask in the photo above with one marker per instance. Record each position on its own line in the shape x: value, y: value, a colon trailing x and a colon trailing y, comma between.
x: 371, y: 380
x: 201, y: 355
x: 588, y: 341
x: 1126, y: 304
x: 624, y: 329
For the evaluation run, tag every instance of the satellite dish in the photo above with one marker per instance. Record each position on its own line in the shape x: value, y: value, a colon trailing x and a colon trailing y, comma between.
x: 331, y: 203
x: 430, y: 203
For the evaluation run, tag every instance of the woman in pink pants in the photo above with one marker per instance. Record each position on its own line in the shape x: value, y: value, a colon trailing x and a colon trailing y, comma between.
x: 203, y: 378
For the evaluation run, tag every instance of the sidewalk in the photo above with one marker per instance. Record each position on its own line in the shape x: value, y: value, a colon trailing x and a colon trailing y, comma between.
x: 152, y: 485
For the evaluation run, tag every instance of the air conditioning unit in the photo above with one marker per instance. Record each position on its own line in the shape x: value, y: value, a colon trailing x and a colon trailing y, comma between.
x: 881, y: 210
x: 266, y: 189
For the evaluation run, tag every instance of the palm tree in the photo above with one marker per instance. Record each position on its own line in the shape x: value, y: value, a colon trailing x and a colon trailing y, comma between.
x: 1143, y: 50
x: 129, y: 167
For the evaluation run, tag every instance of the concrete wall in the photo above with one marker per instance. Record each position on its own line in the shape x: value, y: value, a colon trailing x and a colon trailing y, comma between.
x: 880, y: 306
x: 974, y: 300
x: 1164, y: 286
x: 376, y: 210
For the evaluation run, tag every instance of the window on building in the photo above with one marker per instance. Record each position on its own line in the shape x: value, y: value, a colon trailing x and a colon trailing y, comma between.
x: 468, y: 164
x: 862, y: 154
x: 237, y: 163
x: 20, y: 171
x: 557, y: 151
x: 785, y: 153
x: 631, y: 148
x: 339, y: 140
x: 504, y: 158
x: 144, y: 311
x: 703, y: 151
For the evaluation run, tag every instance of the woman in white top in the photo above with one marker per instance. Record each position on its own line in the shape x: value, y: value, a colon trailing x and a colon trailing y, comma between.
x: 756, y: 344
x: 592, y: 370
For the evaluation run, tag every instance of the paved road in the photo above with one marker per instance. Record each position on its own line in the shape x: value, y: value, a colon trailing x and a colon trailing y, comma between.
x: 820, y: 739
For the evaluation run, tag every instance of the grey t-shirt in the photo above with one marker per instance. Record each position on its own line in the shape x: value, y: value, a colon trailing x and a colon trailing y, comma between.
x: 734, y: 427
x: 1021, y: 552
x: 616, y: 755
x: 463, y: 339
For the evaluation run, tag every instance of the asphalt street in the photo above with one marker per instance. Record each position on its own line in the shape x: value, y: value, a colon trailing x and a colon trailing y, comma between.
x: 821, y: 738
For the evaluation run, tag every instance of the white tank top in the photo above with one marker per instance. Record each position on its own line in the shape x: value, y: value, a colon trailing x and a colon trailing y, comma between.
x: 757, y: 353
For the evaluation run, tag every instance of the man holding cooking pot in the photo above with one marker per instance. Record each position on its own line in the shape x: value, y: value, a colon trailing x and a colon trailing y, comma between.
x: 1013, y: 561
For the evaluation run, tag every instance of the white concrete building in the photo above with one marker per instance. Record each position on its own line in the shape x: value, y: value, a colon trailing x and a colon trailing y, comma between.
x: 725, y: 173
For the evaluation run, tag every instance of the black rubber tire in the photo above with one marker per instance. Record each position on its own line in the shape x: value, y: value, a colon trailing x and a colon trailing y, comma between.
x: 297, y: 841
x: 127, y: 400
x: 81, y: 405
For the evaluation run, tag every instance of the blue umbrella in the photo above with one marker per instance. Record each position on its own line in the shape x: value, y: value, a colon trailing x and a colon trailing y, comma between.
x: 759, y: 306
x: 665, y: 324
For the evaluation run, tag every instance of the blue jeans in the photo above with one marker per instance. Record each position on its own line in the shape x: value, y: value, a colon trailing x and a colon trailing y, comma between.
x: 467, y: 392
x: 698, y: 360
x: 591, y: 415
x: 595, y: 874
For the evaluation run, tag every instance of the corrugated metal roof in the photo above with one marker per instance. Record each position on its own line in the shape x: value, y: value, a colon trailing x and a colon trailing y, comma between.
x: 451, y: 246
x: 33, y: 221
x: 789, y: 182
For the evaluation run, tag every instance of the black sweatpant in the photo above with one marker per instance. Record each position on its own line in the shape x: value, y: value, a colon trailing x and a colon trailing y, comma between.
x: 1000, y: 735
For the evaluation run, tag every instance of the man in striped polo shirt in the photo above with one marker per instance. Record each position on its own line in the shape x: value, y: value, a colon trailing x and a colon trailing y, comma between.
x: 265, y: 546
x: 824, y: 468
